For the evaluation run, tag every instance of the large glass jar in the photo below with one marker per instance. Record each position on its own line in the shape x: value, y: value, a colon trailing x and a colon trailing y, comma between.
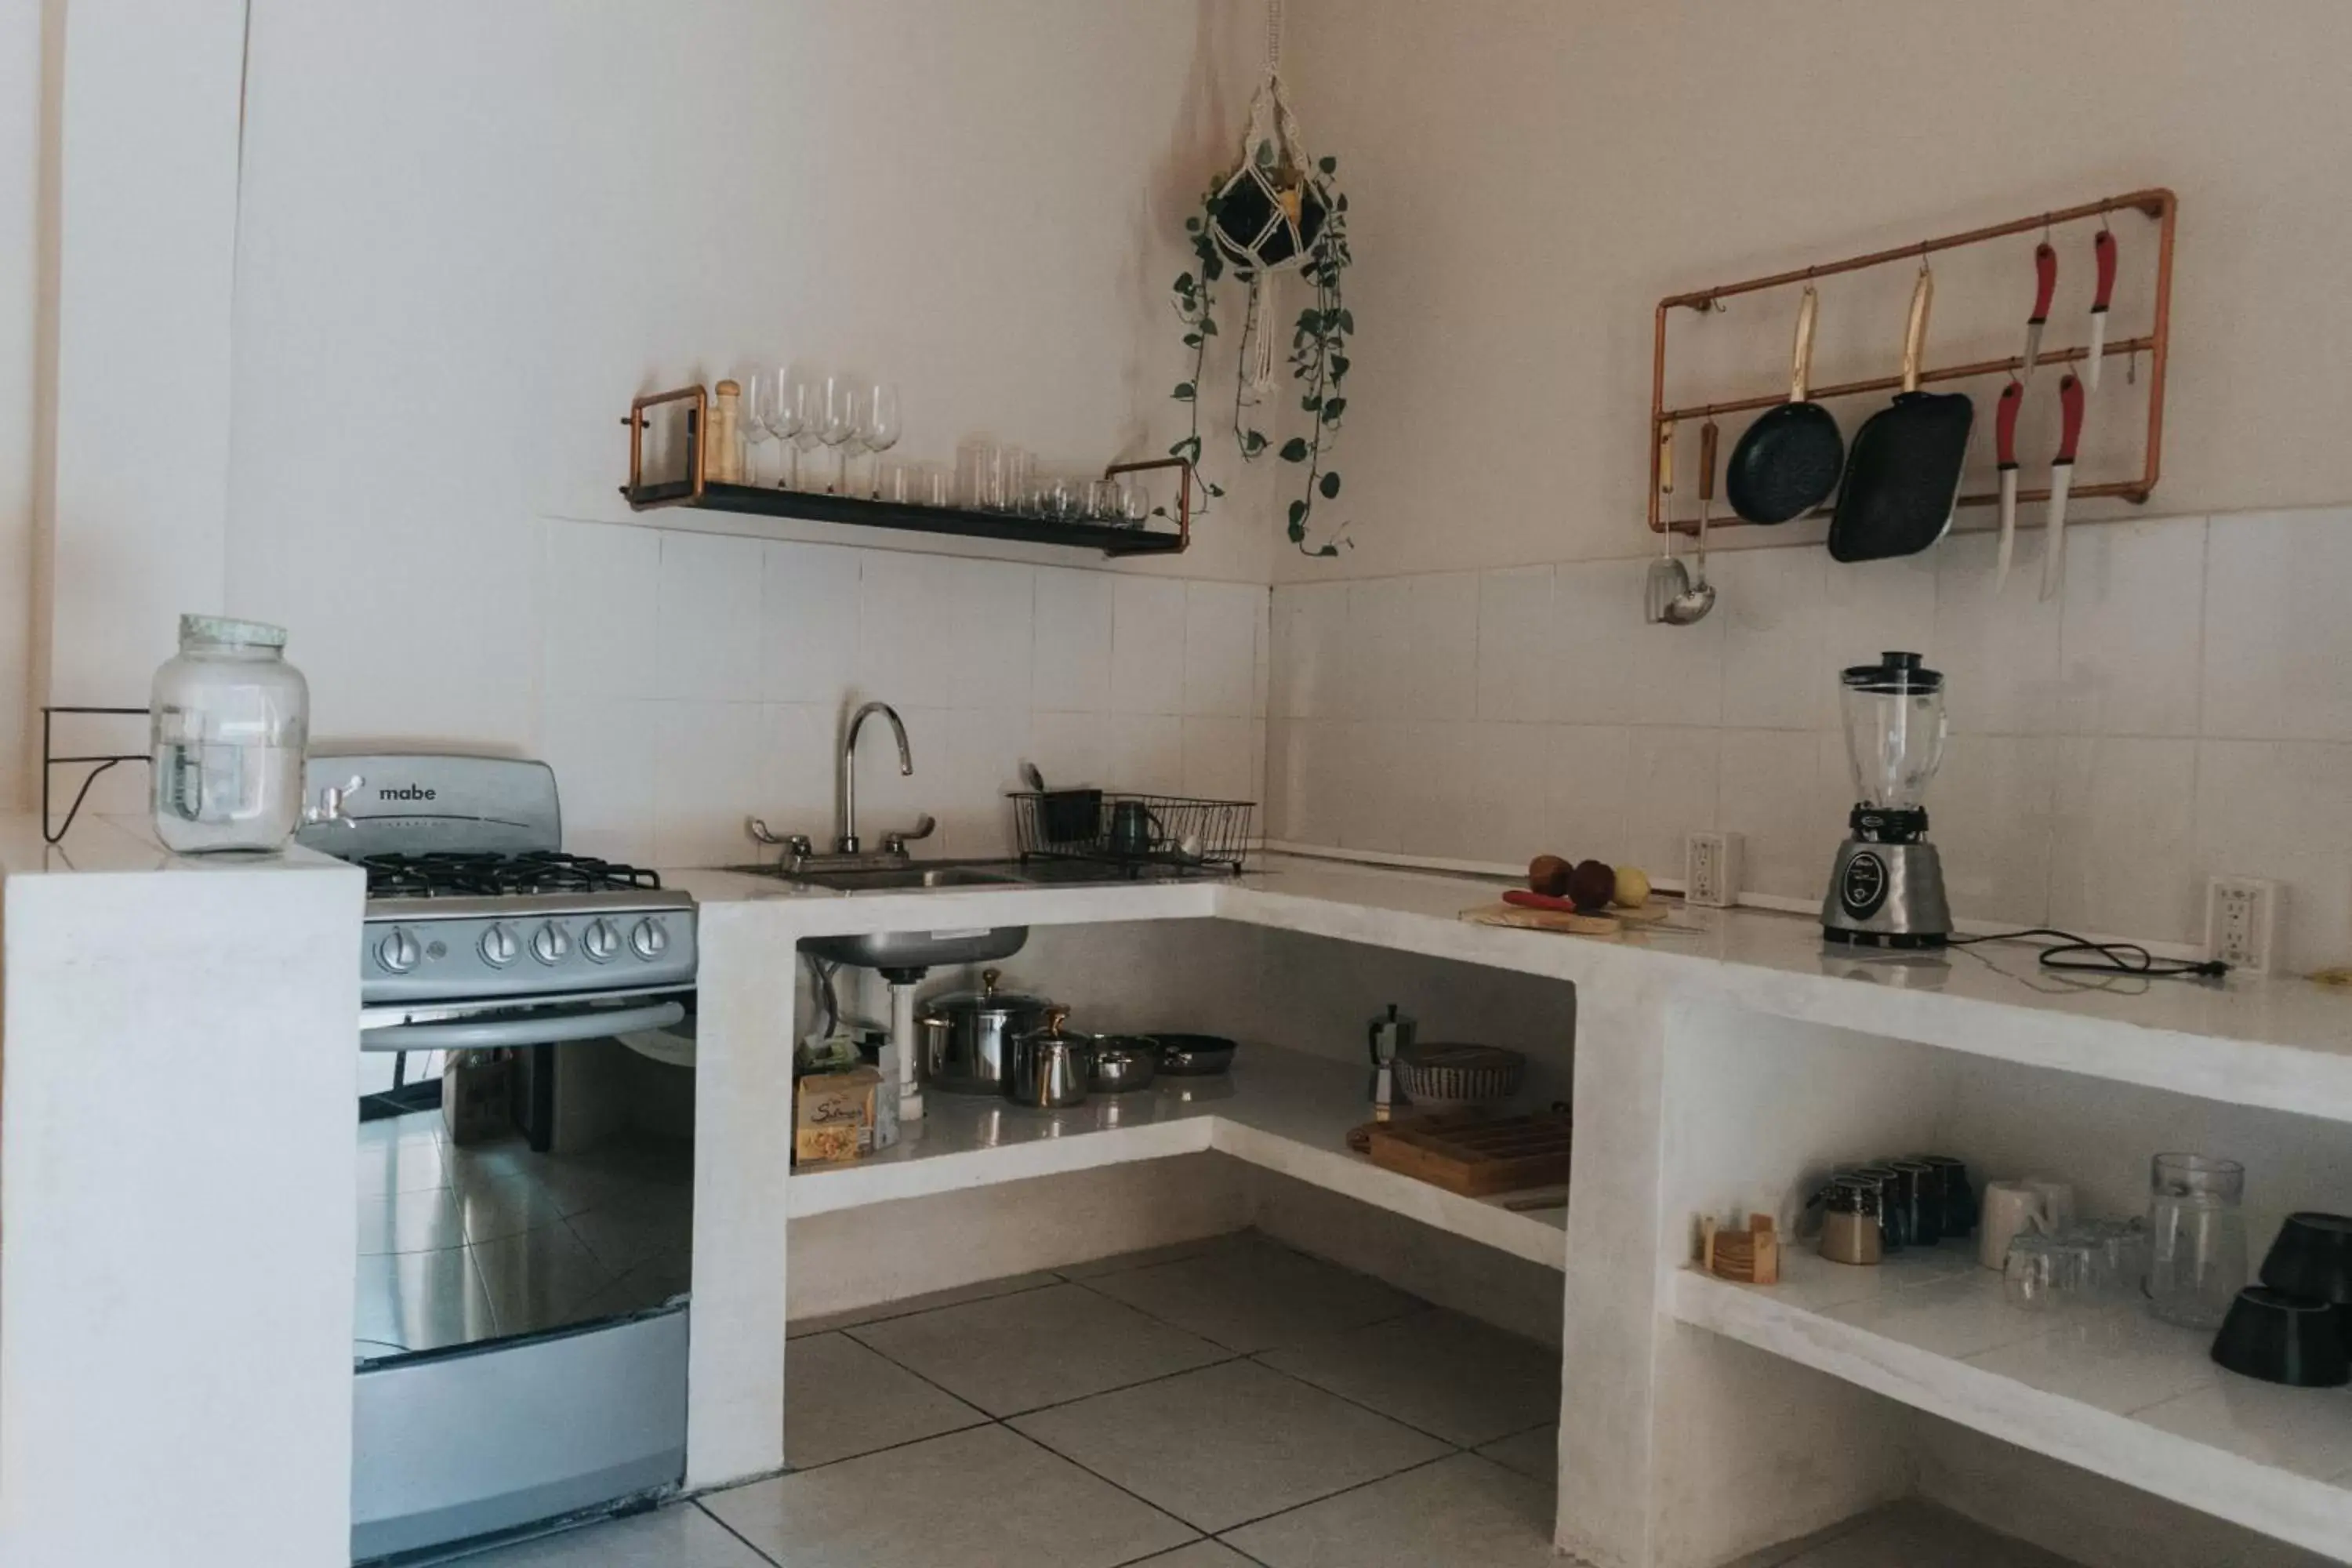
x: 230, y: 720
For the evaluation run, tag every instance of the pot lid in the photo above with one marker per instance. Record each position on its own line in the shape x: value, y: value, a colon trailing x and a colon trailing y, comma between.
x: 988, y: 998
x: 1893, y: 672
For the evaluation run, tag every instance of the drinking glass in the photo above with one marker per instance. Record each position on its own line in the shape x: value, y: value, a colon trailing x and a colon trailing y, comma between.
x: 879, y: 425
x: 1134, y: 500
x: 2045, y: 1271
x: 835, y: 408
x: 802, y: 404
x: 2196, y: 1238
x: 764, y: 392
x: 894, y: 482
x: 936, y: 486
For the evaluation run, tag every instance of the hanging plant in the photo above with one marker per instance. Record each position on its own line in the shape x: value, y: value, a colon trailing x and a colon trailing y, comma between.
x: 1275, y: 213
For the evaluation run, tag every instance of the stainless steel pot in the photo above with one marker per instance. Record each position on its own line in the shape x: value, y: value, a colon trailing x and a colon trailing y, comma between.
x: 1123, y: 1062
x: 965, y: 1037
x: 1049, y: 1067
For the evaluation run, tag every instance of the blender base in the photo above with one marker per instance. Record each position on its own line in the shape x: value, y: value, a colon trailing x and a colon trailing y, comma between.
x: 1900, y: 941
x: 1886, y: 895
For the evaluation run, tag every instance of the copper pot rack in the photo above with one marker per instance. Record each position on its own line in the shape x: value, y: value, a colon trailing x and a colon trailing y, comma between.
x: 2159, y: 205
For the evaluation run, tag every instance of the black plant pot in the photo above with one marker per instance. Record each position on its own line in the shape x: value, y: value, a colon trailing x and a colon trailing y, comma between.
x: 2294, y: 1340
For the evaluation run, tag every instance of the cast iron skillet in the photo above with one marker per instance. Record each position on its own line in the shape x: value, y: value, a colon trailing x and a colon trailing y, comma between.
x: 1788, y: 461
x: 1903, y: 474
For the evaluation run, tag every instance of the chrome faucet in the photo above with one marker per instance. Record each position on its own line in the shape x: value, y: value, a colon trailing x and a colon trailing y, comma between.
x: 846, y: 841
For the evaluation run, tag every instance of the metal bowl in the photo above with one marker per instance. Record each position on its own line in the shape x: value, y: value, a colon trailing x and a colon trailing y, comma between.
x: 1123, y: 1062
x: 1194, y: 1056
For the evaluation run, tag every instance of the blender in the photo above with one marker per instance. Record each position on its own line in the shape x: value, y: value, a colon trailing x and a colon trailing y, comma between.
x: 1887, y: 887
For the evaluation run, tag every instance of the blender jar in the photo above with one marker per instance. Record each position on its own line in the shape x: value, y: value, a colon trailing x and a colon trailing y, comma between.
x: 230, y: 720
x: 1894, y: 716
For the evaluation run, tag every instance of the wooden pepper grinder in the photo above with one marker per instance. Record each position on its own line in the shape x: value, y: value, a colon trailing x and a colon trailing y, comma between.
x: 723, y: 451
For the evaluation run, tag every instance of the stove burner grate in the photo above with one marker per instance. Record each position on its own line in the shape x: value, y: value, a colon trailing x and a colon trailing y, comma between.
x: 449, y: 874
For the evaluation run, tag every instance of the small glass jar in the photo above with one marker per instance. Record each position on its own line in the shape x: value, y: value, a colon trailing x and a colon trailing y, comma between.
x: 1851, y: 1221
x: 230, y: 720
x: 1894, y: 1216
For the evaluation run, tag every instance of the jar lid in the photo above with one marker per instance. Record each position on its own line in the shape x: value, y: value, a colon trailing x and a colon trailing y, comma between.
x: 222, y: 630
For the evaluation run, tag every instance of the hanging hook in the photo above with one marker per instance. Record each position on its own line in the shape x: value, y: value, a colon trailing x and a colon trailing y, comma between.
x: 2104, y: 211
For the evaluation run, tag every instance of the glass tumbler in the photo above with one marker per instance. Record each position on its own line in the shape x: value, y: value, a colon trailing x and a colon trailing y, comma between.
x: 2046, y: 1271
x: 2196, y: 1239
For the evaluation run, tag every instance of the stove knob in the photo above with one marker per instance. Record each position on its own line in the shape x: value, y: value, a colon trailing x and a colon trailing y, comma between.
x: 550, y: 945
x: 499, y: 947
x: 398, y: 952
x: 600, y: 941
x: 650, y: 940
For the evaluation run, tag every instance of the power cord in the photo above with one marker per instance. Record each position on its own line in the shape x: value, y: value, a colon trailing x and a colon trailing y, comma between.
x: 2083, y: 955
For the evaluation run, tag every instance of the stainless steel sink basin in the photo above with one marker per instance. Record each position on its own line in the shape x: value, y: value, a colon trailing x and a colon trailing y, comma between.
x: 919, y: 948
x: 885, y: 878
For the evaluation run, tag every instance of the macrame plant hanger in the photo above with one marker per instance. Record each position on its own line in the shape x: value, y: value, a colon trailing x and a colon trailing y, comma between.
x: 1268, y: 214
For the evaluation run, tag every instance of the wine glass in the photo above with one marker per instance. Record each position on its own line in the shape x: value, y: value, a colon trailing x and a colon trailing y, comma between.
x: 758, y: 414
x: 879, y: 425
x: 836, y: 424
x: 801, y: 412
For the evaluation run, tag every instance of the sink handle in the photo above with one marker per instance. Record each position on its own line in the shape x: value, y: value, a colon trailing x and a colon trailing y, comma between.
x: 895, y: 843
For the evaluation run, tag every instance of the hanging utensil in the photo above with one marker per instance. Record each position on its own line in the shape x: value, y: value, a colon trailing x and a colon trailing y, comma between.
x: 1903, y: 471
x: 1787, y: 463
x: 2045, y: 287
x: 1694, y: 603
x: 2062, y: 480
x: 2102, y: 254
x: 2004, y: 436
x: 1668, y: 580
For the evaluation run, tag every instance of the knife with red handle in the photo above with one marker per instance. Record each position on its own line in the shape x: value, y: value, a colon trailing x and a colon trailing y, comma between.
x: 2046, y: 289
x: 2062, y: 480
x: 2103, y: 253
x: 2004, y: 432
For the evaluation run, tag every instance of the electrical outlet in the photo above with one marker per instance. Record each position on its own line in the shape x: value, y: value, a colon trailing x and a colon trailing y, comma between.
x: 2241, y: 922
x: 1711, y: 870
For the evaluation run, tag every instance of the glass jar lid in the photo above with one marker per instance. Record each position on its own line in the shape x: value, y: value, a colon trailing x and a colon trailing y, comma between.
x: 222, y: 630
x: 1895, y: 673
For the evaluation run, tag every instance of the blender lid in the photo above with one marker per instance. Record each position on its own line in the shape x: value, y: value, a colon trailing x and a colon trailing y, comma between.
x: 1893, y: 672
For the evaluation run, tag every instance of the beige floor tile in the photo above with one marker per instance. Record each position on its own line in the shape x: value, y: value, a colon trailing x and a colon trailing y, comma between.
x: 1448, y: 1374
x: 841, y: 1400
x: 983, y: 1498
x: 1200, y: 1555
x: 1255, y: 1297
x: 1464, y: 1513
x: 1535, y: 1453
x: 680, y: 1536
x: 493, y: 1209
x: 1173, y: 1252
x: 1920, y: 1535
x: 1228, y: 1443
x: 826, y: 1323
x: 630, y: 1228
x: 388, y: 1165
x: 421, y: 1301
x: 1022, y: 1351
x: 409, y: 1222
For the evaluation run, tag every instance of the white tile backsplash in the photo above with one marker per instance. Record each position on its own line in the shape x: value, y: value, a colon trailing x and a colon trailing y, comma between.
x: 763, y: 645
x: 2182, y: 708
x: 706, y: 621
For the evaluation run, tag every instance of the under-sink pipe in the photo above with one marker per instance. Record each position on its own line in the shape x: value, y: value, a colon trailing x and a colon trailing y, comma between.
x: 902, y: 1041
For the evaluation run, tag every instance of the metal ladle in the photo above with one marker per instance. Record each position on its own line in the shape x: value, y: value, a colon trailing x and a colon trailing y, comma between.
x: 1693, y: 602
x: 1667, y: 581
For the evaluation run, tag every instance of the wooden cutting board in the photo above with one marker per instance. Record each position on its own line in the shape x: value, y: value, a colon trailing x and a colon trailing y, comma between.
x: 1612, y: 923
x: 1477, y: 1156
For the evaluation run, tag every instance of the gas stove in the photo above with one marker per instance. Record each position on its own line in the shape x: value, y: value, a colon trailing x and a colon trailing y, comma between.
x: 471, y: 901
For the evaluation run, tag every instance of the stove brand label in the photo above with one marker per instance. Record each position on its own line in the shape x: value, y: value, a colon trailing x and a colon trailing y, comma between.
x: 405, y: 792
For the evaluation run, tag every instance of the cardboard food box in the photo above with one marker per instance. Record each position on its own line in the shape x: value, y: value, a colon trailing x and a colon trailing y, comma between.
x: 476, y: 1101
x: 833, y: 1115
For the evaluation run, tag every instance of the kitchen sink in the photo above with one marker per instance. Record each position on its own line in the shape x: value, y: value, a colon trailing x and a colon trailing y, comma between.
x: 919, y: 948
x: 884, y: 879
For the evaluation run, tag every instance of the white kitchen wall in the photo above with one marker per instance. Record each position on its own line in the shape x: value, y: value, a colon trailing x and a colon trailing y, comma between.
x: 733, y: 705
x: 21, y: 101
x: 468, y: 235
x: 2181, y: 710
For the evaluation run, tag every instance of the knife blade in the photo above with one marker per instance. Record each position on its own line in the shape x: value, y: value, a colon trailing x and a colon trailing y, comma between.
x: 2103, y: 253
x: 2046, y: 289
x: 2004, y: 430
x: 2062, y: 480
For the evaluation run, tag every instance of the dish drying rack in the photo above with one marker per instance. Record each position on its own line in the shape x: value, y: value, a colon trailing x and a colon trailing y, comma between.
x: 2157, y: 204
x: 1187, y: 831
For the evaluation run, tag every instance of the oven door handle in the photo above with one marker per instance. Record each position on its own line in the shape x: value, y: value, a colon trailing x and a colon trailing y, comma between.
x: 482, y: 1034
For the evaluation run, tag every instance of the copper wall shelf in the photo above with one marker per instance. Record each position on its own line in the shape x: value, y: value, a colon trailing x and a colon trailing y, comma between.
x: 766, y: 500
x: 2160, y: 206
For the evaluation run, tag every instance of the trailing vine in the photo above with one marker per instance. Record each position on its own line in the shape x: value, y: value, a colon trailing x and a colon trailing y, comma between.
x: 1319, y: 358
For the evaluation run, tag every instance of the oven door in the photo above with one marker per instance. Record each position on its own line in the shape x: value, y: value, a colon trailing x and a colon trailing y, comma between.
x: 524, y: 1326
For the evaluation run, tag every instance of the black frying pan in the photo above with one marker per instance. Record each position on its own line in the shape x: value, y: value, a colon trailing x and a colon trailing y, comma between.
x: 1788, y: 460
x: 1903, y: 473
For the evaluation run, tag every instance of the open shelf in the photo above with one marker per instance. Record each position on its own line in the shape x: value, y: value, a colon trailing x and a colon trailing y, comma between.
x: 767, y: 500
x: 2109, y: 1389
x: 1283, y: 1110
